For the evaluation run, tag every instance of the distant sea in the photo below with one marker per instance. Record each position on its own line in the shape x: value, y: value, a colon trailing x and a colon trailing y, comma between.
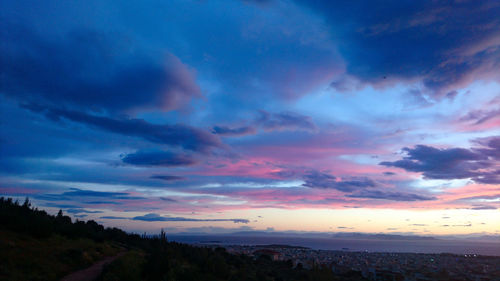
x: 342, y: 244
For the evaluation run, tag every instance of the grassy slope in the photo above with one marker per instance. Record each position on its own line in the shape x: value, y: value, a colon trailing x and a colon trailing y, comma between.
x: 129, y: 267
x: 23, y: 257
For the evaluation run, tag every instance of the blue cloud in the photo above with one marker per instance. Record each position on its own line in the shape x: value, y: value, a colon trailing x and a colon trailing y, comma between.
x: 453, y: 163
x: 177, y: 135
x: 238, y: 131
x: 390, y: 195
x: 90, y: 70
x: 155, y: 217
x: 82, y: 211
x: 444, y: 45
x: 167, y: 177
x: 282, y: 121
x: 170, y: 200
x: 75, y: 192
x: 483, y: 207
x: 114, y: 218
x: 285, y: 121
x: 317, y: 179
x: 158, y: 158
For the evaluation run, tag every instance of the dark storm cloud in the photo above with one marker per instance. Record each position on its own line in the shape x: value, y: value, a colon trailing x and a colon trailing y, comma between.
x: 90, y: 70
x: 315, y: 179
x: 158, y: 158
x: 177, y: 135
x: 390, y: 195
x: 453, y: 163
x: 238, y: 131
x: 155, y: 217
x: 443, y: 44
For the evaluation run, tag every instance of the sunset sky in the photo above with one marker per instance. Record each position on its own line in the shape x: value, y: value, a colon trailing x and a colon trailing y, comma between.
x: 221, y: 116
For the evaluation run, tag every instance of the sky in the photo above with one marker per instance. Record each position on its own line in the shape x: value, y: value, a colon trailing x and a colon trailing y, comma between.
x: 267, y: 115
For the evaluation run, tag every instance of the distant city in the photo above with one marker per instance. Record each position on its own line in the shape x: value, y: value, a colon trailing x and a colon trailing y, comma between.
x: 380, y: 266
x: 479, y: 245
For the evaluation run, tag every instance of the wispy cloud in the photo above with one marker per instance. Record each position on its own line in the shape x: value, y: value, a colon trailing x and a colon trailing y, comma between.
x: 390, y: 195
x: 155, y: 217
x: 317, y: 179
x: 176, y: 135
x: 167, y: 177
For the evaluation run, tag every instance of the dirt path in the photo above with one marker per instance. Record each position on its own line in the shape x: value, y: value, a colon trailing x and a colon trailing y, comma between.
x: 91, y: 273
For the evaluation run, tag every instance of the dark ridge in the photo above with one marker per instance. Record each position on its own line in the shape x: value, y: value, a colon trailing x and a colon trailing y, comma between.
x: 147, y: 257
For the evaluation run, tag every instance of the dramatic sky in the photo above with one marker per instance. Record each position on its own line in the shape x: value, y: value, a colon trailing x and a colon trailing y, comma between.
x: 220, y: 116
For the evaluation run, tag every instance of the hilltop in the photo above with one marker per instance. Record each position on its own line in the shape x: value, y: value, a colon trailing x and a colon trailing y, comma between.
x: 38, y: 246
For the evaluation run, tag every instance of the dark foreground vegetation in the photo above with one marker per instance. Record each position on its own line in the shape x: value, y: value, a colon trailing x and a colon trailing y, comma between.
x: 37, y: 246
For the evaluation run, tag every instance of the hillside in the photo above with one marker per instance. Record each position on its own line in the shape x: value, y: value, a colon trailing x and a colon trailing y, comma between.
x: 24, y: 257
x: 38, y: 246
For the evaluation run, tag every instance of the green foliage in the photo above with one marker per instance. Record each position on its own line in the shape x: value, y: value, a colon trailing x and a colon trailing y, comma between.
x: 37, y: 223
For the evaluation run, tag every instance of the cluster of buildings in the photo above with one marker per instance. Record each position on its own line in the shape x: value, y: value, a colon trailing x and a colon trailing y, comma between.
x: 383, y: 266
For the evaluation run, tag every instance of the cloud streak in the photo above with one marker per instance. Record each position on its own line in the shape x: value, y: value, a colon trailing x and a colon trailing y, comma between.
x: 315, y: 179
x: 176, y: 135
x: 237, y: 131
x: 284, y: 121
x: 390, y: 195
x: 151, y: 217
x: 159, y: 158
x: 167, y: 177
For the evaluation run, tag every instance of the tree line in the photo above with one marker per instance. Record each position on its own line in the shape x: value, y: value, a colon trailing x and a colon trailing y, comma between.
x: 158, y: 258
